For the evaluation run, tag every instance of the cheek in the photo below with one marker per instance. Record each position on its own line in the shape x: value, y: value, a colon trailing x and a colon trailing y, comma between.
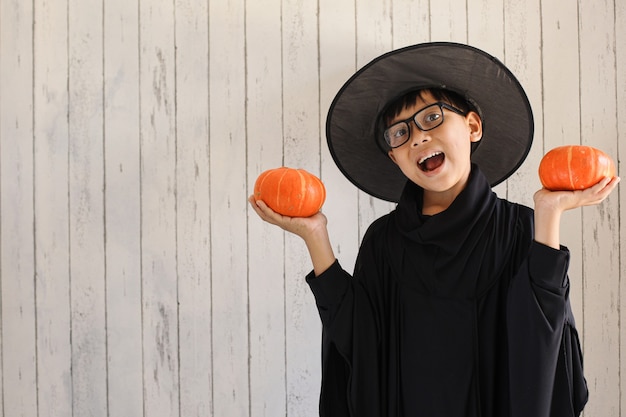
x: 400, y: 158
x: 392, y: 156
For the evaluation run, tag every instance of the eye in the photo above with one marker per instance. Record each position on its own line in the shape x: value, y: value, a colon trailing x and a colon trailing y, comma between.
x: 397, y: 131
x: 432, y: 117
x: 397, y: 134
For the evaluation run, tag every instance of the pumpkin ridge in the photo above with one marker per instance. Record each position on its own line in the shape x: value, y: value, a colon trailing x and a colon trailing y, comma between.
x: 259, y: 184
x: 320, y: 186
x: 303, y: 189
x: 570, y: 171
x: 595, y: 165
x: 279, y: 187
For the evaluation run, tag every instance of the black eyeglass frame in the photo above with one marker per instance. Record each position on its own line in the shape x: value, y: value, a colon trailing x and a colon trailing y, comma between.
x: 441, y: 106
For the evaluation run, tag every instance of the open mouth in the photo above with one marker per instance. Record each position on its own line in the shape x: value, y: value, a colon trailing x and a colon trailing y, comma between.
x: 431, y: 162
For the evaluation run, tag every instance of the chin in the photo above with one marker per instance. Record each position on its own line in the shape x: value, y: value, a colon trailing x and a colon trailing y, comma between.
x: 442, y: 184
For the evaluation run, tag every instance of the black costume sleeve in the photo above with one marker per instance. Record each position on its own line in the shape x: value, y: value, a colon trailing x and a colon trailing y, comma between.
x: 546, y: 378
x: 350, y: 310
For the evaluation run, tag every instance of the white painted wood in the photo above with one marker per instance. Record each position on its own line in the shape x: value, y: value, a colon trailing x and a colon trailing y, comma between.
x: 86, y: 209
x: 302, y: 141
x: 486, y: 25
x: 193, y: 208
x: 18, y: 389
x: 52, y: 257
x: 600, y: 242
x: 448, y: 20
x: 228, y: 192
x: 122, y: 208
x: 266, y: 248
x: 620, y: 39
x: 158, y: 209
x: 410, y: 22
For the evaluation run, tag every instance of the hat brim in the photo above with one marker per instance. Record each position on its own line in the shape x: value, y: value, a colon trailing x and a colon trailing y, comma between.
x: 351, y: 125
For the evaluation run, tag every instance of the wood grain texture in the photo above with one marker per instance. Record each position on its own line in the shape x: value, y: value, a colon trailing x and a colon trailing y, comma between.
x: 18, y: 385
x: 51, y: 217
x: 193, y: 214
x: 86, y: 209
x: 228, y: 192
x: 159, y: 280
x: 122, y: 208
x: 620, y: 60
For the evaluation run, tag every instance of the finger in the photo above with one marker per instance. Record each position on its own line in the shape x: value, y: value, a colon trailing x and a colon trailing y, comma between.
x: 261, y: 209
x: 255, y: 207
x: 264, y: 208
x: 612, y: 185
x: 607, y: 185
x: 601, y: 191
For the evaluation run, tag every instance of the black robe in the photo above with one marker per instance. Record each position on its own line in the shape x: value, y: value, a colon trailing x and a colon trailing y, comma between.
x: 461, y: 314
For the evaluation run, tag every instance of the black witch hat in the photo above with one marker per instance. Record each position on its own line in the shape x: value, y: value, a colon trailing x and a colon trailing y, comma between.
x: 353, y: 124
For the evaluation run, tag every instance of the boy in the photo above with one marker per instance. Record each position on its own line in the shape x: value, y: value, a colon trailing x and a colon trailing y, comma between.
x: 458, y: 305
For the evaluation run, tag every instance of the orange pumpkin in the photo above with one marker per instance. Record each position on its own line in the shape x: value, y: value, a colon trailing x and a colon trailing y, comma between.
x: 574, y: 167
x: 290, y: 192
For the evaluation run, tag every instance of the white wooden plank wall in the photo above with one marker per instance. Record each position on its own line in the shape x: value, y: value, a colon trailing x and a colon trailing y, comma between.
x: 134, y: 279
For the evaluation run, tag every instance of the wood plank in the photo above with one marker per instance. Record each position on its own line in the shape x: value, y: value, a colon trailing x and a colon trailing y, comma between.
x: 620, y: 51
x: 193, y: 207
x: 301, y: 149
x: 228, y: 192
x: 86, y: 209
x: 486, y: 20
x: 52, y: 262
x: 18, y: 389
x: 266, y: 248
x: 410, y: 23
x: 448, y: 21
x: 158, y: 209
x: 122, y: 208
x: 600, y: 242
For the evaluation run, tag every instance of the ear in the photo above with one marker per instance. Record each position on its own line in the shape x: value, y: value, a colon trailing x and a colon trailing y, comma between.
x: 475, y: 124
x: 392, y: 156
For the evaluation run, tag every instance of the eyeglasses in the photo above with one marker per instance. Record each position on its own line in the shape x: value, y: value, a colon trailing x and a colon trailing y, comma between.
x: 425, y: 119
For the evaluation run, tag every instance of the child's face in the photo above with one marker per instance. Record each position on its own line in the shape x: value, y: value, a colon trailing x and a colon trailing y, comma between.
x: 438, y: 160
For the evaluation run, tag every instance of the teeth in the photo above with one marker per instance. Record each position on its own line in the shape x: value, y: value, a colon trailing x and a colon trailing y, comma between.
x: 421, y: 161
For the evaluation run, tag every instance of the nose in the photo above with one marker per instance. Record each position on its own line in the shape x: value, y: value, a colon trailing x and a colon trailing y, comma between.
x: 418, y: 136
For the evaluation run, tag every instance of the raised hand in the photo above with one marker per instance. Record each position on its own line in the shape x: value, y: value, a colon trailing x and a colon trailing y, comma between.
x: 311, y: 229
x: 550, y: 205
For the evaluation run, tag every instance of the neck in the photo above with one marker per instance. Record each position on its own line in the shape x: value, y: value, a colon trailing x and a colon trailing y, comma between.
x: 437, y: 201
